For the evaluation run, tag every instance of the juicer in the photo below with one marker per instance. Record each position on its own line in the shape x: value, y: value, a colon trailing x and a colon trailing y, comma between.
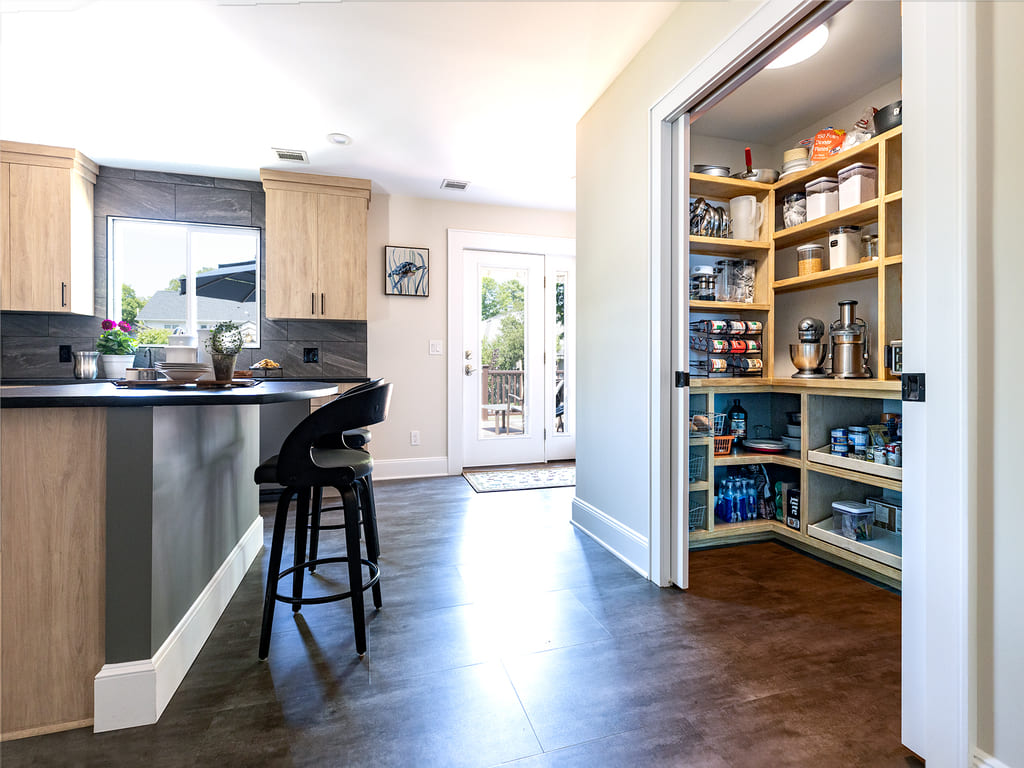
x: 848, y: 344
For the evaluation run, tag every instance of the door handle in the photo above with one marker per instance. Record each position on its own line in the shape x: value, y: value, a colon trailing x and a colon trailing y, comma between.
x: 470, y: 370
x: 322, y: 304
x: 312, y: 303
x: 63, y: 294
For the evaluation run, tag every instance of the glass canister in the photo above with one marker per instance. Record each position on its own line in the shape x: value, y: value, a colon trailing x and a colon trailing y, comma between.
x: 809, y: 259
x: 794, y: 209
x: 722, y: 289
x: 869, y: 247
x: 742, y: 274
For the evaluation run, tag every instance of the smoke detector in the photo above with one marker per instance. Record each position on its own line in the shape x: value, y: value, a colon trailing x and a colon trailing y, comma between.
x: 453, y: 184
x: 292, y: 155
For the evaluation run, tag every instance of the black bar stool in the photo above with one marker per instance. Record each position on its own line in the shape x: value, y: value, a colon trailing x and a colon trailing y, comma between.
x: 309, y: 460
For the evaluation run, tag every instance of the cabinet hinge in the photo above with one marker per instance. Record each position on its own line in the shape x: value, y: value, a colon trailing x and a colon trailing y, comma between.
x: 682, y: 379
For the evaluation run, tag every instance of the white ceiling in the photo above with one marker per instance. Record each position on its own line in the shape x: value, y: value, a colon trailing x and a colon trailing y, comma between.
x: 486, y: 92
x: 862, y: 53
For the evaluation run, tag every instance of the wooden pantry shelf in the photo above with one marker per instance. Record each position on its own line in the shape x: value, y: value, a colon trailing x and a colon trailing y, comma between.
x: 723, y: 187
x: 726, y: 305
x: 893, y: 260
x: 856, y: 215
x: 698, y: 486
x: 726, y: 246
x: 785, y: 458
x: 894, y: 196
x: 853, y: 272
x: 858, y: 477
x: 862, y: 153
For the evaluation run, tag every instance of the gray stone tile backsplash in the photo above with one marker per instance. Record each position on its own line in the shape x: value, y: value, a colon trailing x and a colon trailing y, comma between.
x: 29, y: 342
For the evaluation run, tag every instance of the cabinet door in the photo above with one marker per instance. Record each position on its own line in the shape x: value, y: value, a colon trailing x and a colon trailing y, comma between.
x: 341, y: 265
x: 291, y: 254
x: 40, y: 239
x: 5, y: 234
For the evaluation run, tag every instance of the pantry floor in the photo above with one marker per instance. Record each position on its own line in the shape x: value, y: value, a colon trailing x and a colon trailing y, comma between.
x: 507, y: 637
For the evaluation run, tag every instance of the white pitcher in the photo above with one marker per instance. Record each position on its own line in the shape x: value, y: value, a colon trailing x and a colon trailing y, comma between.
x: 747, y: 215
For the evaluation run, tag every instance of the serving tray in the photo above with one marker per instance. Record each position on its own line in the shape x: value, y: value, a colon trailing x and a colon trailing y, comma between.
x: 168, y: 384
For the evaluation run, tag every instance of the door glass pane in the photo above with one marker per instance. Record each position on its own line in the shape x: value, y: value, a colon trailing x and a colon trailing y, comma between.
x: 561, y: 415
x: 502, y: 334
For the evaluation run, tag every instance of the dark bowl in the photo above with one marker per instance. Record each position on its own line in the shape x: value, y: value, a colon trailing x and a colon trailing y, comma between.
x: 889, y: 117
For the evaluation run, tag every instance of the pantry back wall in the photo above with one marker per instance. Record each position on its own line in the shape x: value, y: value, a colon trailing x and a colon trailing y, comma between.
x: 30, y: 341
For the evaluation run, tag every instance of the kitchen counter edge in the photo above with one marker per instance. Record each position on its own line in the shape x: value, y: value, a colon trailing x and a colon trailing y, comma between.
x: 106, y: 395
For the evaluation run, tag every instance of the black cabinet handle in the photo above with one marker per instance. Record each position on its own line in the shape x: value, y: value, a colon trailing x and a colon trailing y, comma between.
x: 321, y: 304
x: 312, y: 303
x: 63, y: 294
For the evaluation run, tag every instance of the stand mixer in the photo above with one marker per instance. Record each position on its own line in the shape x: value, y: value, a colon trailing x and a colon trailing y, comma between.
x: 810, y: 353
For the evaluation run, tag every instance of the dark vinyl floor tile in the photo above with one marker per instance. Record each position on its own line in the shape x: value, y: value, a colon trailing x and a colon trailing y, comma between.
x: 508, y: 637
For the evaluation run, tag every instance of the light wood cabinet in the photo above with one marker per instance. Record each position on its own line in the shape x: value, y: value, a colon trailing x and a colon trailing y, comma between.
x: 316, y: 246
x: 46, y: 229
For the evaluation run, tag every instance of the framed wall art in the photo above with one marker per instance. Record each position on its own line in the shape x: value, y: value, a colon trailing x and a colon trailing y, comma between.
x: 406, y: 271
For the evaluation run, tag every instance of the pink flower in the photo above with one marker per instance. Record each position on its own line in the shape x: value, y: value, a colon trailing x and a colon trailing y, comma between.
x: 124, y: 326
x: 108, y: 325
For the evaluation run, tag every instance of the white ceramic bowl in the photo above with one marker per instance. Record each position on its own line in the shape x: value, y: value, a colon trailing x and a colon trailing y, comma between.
x: 793, y: 430
x: 177, y: 374
x: 792, y: 443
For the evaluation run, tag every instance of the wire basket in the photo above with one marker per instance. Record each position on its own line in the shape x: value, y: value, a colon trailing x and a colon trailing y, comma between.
x: 697, y: 514
x: 696, y: 466
x: 723, y: 444
x: 704, y: 424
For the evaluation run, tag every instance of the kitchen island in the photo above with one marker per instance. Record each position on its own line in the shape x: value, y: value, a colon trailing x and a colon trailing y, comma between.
x: 129, y: 518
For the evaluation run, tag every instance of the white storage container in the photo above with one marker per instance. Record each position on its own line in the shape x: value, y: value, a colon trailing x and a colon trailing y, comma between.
x: 822, y: 197
x: 843, y: 246
x: 858, y: 183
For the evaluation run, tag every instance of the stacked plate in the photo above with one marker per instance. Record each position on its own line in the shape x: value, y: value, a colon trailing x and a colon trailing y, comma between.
x: 183, y: 371
x: 795, y: 160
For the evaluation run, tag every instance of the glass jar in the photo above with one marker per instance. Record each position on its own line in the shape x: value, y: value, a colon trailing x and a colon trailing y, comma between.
x: 742, y: 278
x: 809, y: 259
x: 794, y: 209
x: 869, y: 247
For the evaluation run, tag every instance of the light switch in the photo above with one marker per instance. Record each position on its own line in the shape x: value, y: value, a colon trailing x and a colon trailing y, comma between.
x: 435, y: 347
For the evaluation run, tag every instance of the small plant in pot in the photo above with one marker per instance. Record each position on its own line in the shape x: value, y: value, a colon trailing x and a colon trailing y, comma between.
x: 224, y: 344
x: 116, y: 348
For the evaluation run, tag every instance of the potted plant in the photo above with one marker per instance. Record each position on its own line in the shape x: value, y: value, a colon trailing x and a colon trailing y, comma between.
x: 224, y: 344
x: 116, y: 348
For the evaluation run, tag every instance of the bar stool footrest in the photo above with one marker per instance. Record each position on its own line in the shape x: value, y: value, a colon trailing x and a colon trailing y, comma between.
x: 292, y: 600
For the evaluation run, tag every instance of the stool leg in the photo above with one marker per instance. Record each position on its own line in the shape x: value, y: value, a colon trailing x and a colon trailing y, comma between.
x: 301, y: 524
x: 314, y: 527
x: 274, y: 568
x: 355, y: 567
x: 370, y: 532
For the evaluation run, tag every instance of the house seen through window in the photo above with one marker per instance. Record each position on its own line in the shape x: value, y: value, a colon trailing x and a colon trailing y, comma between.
x: 166, y: 277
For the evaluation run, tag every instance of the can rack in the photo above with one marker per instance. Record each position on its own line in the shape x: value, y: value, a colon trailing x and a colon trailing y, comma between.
x: 712, y: 345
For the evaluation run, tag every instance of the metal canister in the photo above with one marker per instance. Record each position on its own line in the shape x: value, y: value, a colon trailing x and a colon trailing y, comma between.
x: 86, y: 365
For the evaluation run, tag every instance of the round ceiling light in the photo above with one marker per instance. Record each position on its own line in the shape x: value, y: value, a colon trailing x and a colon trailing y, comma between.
x: 339, y: 138
x: 802, y: 49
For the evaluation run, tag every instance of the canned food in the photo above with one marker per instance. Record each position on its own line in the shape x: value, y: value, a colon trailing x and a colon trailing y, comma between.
x: 718, y: 365
x: 754, y: 326
x: 753, y: 345
x: 718, y: 326
x: 719, y: 346
x: 738, y: 345
x: 737, y: 326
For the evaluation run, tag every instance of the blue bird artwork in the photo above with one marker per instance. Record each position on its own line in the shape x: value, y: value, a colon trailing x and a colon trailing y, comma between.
x: 406, y: 271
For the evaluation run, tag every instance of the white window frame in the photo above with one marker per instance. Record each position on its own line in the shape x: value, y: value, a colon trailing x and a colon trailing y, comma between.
x: 191, y: 323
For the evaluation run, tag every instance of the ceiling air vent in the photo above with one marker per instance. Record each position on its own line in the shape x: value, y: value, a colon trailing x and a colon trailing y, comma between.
x: 453, y: 184
x: 291, y: 155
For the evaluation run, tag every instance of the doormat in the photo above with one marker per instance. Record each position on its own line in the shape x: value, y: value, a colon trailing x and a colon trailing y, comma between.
x: 485, y: 481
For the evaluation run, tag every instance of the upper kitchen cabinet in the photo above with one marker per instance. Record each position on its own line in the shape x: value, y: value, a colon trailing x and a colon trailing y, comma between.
x: 46, y: 229
x: 316, y: 246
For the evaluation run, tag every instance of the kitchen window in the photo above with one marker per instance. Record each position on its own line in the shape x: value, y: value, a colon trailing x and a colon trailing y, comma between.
x: 166, y: 277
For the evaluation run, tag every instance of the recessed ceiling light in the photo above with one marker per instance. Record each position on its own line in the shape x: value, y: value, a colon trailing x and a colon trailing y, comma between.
x: 339, y: 138
x: 802, y: 49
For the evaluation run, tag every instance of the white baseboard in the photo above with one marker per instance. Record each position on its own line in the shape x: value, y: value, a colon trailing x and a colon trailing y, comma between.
x: 135, y: 693
x: 982, y: 760
x: 395, y: 469
x: 622, y: 541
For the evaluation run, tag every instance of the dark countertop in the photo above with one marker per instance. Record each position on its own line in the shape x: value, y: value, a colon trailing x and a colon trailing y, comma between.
x: 105, y: 395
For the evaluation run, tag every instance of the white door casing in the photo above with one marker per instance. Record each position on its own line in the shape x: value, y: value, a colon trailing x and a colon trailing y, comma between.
x: 939, y: 53
x: 560, y: 444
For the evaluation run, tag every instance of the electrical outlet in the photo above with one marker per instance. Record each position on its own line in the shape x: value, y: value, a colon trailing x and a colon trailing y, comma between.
x: 435, y: 347
x: 311, y: 354
x: 414, y: 437
x: 64, y: 350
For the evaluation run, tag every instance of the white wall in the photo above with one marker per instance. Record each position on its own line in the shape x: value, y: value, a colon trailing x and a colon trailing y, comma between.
x: 999, y: 598
x: 613, y: 274
x: 399, y: 328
